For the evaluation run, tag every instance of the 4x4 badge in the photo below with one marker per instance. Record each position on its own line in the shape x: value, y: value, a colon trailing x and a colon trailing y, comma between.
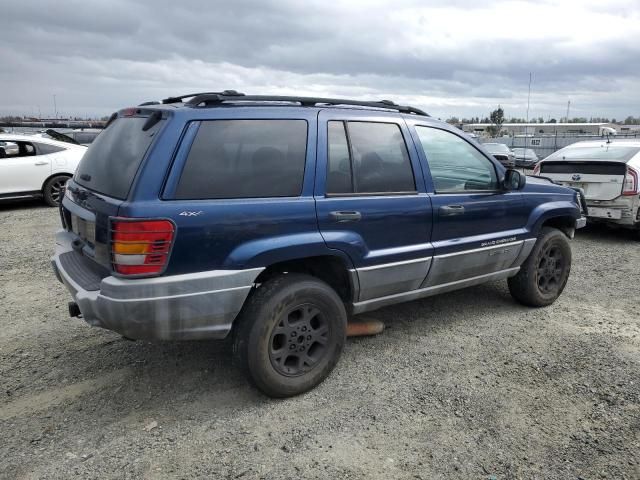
x: 190, y: 214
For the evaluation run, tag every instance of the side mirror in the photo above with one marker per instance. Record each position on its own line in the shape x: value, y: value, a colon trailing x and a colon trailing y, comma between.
x: 514, y: 180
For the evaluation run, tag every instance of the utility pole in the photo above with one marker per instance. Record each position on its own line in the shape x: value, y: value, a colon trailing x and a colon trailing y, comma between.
x: 526, y: 129
x: 568, y: 107
x: 55, y: 107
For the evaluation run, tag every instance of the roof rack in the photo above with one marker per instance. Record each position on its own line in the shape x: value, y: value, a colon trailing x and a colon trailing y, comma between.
x: 218, y: 98
x: 182, y: 97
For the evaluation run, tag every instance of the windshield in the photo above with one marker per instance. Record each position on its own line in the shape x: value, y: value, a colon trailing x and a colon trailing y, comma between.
x: 496, y: 147
x: 524, y: 151
x: 112, y: 160
x: 601, y: 152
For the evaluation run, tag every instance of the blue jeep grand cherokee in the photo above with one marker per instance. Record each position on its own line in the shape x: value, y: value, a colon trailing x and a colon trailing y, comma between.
x: 276, y: 218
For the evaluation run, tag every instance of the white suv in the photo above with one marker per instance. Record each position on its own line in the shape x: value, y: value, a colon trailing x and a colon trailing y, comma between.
x: 35, y: 166
x: 609, y: 174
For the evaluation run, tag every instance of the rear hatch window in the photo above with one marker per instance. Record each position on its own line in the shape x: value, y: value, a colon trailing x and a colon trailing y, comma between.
x: 620, y: 153
x: 112, y: 160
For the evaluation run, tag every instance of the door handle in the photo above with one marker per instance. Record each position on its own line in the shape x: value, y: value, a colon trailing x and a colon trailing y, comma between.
x: 40, y: 163
x: 451, y: 210
x: 342, y: 217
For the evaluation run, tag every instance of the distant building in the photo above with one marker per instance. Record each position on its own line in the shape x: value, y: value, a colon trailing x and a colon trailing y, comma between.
x: 515, y: 129
x: 629, y: 129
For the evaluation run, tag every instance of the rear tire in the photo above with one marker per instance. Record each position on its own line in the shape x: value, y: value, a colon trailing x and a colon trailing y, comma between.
x: 544, y: 274
x: 53, y: 189
x: 290, y: 334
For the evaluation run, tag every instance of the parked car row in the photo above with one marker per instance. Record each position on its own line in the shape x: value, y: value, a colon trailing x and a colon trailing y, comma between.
x: 607, y: 171
x: 512, y: 157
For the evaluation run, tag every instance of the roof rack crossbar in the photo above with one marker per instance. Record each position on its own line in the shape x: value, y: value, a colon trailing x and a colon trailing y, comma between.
x: 189, y: 95
x: 213, y: 98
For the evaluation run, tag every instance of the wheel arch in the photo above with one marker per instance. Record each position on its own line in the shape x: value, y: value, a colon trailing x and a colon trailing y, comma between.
x: 331, y: 269
x: 561, y: 215
x: 55, y: 174
x: 566, y: 224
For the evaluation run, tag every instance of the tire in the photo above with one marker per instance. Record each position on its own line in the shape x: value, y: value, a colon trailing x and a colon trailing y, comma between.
x: 544, y: 274
x: 53, y: 188
x: 290, y: 334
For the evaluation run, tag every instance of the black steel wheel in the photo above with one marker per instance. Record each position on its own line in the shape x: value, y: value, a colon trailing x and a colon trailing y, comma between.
x: 299, y: 340
x: 550, y: 269
x: 54, y: 189
x: 290, y: 334
x: 544, y: 274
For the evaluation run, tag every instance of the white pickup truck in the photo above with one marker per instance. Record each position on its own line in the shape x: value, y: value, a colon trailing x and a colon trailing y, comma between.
x: 608, y: 172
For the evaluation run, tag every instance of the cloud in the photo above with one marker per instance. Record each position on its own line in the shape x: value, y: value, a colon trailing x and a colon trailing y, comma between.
x: 459, y: 57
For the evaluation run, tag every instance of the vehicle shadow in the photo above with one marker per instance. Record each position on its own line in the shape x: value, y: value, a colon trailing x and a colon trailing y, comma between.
x: 100, y: 373
x: 597, y: 232
x: 29, y: 204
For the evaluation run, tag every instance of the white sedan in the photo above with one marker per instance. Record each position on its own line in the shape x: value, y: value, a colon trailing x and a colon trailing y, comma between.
x: 36, y: 167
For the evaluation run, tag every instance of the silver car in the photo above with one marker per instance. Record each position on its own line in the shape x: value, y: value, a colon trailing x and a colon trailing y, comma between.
x: 609, y: 174
x: 525, y: 157
x: 502, y: 153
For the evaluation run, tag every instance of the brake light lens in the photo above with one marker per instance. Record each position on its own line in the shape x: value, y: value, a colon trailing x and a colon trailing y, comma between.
x: 536, y: 169
x: 140, y: 247
x: 630, y: 185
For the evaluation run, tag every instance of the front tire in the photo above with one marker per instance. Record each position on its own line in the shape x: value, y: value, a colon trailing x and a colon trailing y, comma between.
x: 290, y: 334
x: 53, y: 190
x: 544, y: 274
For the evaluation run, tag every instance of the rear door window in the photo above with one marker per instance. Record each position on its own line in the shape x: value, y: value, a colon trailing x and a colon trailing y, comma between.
x: 245, y: 159
x: 112, y: 160
x: 374, y: 159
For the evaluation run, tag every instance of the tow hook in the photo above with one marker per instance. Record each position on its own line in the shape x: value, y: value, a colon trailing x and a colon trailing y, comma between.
x: 74, y: 310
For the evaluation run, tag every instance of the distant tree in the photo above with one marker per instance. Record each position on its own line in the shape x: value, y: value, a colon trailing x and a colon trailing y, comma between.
x: 453, y: 120
x: 553, y: 120
x: 497, y: 119
x: 631, y: 120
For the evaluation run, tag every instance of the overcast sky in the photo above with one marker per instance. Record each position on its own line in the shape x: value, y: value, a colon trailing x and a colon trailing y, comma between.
x: 454, y: 57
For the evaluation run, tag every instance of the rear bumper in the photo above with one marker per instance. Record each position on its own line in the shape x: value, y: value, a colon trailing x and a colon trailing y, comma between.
x: 177, y: 307
x: 623, y: 211
x: 581, y: 222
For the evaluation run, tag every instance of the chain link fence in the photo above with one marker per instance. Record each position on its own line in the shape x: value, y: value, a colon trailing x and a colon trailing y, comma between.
x: 545, y: 145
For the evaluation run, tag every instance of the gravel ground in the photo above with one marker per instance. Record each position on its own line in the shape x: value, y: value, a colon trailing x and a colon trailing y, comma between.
x: 464, y: 385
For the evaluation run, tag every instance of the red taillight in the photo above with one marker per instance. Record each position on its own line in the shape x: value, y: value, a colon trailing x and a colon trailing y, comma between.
x: 630, y: 185
x: 536, y: 169
x: 140, y: 247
